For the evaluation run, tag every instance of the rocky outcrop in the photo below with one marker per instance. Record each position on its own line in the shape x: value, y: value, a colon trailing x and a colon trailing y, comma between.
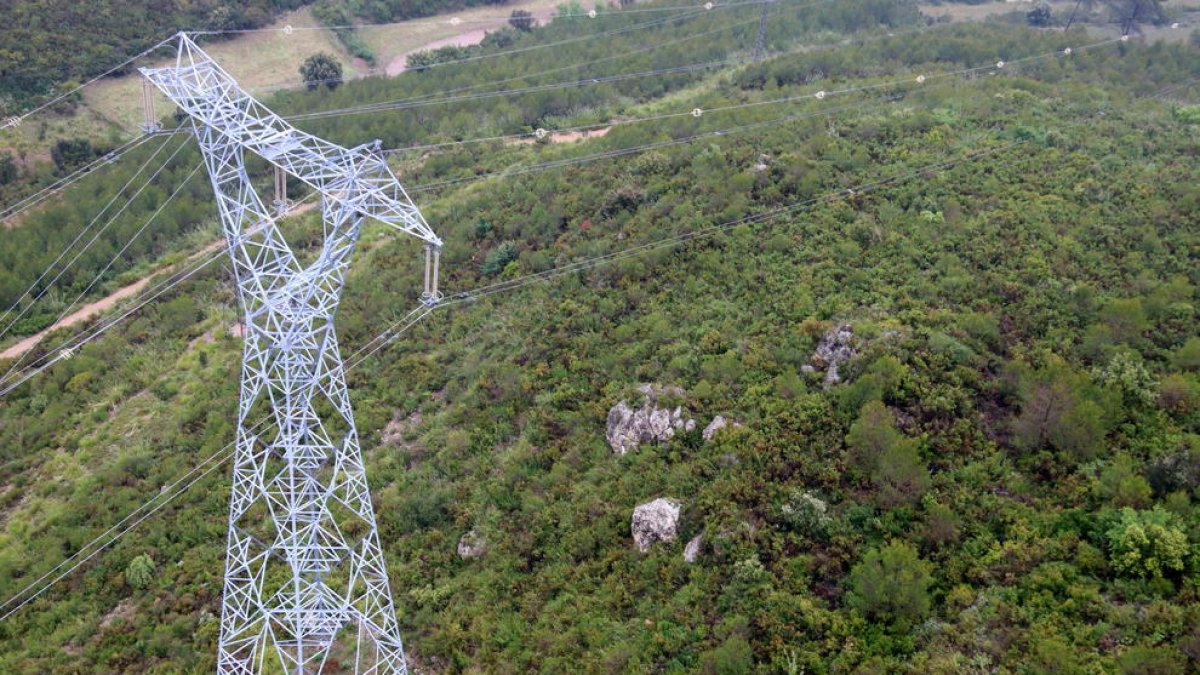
x: 718, y: 423
x: 691, y: 552
x: 654, y: 522
x: 472, y: 545
x: 393, y: 433
x: 835, y: 348
x: 629, y: 427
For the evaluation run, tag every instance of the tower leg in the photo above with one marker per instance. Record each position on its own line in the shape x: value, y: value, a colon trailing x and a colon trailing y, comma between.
x: 305, y: 579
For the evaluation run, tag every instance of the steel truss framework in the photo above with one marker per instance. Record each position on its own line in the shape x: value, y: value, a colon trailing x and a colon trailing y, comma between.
x: 305, y: 583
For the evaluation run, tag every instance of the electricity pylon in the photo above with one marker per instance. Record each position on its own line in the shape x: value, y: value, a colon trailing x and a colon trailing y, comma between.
x: 305, y: 580
x: 760, y: 40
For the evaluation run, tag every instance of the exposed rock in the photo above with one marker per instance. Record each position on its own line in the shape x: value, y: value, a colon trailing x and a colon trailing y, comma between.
x: 472, y: 545
x: 718, y: 423
x: 628, y: 427
x: 835, y: 348
x: 653, y: 522
x: 125, y: 610
x: 691, y: 552
x: 393, y: 433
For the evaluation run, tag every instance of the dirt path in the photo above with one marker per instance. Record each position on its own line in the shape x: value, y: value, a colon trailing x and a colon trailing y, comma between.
x: 108, y: 302
x: 464, y: 39
x: 566, y: 136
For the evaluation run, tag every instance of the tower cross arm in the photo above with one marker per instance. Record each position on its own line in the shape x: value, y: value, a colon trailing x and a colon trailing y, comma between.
x: 358, y: 177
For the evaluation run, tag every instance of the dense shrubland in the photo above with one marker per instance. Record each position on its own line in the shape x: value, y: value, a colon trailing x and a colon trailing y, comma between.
x: 42, y: 235
x: 51, y: 46
x: 1006, y: 479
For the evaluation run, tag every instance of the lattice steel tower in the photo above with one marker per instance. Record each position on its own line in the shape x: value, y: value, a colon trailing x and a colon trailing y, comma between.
x: 305, y: 583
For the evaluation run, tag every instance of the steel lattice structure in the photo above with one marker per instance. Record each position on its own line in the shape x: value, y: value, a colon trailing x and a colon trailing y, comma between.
x: 304, y: 575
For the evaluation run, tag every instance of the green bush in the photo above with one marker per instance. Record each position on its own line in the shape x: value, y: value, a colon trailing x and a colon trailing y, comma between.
x: 891, y: 584
x: 1146, y: 544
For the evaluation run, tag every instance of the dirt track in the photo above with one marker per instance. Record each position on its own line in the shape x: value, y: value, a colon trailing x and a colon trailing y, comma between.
x: 108, y: 302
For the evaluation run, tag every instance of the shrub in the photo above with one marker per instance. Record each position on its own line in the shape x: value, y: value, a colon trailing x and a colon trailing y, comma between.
x: 71, y: 152
x: 891, y: 584
x: 321, y: 68
x: 1146, y: 543
x: 521, y: 20
x: 498, y: 258
x: 805, y: 513
x: 140, y: 572
x: 1039, y: 16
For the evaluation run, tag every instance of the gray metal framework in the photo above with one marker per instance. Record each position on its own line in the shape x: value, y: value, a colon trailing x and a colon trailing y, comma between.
x: 305, y: 584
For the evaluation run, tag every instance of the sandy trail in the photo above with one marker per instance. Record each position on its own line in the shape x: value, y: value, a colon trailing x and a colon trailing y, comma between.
x: 108, y: 302
x: 567, y: 136
x: 464, y: 39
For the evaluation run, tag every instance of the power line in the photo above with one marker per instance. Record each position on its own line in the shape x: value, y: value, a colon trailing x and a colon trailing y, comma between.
x: 621, y: 152
x: 919, y: 79
x: 525, y: 76
x: 820, y: 95
x: 599, y: 12
x: 64, y: 182
x: 99, y: 275
x: 215, y: 461
x: 67, y: 347
x: 427, y: 100
x: 406, y: 323
x: 15, y: 121
x: 78, y: 237
x: 28, y: 202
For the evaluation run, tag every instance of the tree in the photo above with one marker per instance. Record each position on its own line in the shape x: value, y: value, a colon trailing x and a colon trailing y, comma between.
x: 1125, y: 319
x: 140, y: 572
x: 8, y: 169
x: 1187, y: 357
x: 889, y: 458
x: 891, y: 584
x: 521, y: 20
x: 1147, y: 543
x: 71, y: 152
x: 733, y: 657
x: 872, y: 434
x: 321, y: 68
x: 1039, y: 16
x: 1055, y: 413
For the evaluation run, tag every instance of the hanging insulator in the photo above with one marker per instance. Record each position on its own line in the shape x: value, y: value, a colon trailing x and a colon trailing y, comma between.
x: 433, y: 261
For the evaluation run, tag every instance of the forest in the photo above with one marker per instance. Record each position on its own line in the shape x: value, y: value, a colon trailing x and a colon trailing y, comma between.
x: 1005, y: 478
x: 703, y: 39
x: 48, y: 47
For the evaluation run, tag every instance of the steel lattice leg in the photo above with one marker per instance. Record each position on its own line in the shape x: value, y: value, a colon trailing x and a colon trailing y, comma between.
x: 304, y: 567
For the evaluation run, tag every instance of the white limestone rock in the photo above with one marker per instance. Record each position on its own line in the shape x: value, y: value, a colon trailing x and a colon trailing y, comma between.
x: 718, y: 423
x: 835, y: 348
x: 691, y: 552
x: 654, y: 522
x: 472, y: 545
x: 629, y: 427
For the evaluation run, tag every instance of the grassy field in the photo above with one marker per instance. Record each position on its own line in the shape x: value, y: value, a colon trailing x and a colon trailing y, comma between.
x: 392, y: 41
x: 111, y: 110
x: 257, y: 60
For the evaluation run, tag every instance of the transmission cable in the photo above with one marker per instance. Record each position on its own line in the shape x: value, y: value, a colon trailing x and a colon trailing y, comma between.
x: 480, y: 292
x: 820, y: 95
x: 29, y: 201
x: 79, y: 237
x: 456, y: 21
x: 16, y: 120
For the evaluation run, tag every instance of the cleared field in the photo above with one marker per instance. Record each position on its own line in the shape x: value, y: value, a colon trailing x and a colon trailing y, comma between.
x: 392, y: 42
x: 957, y: 12
x: 257, y: 60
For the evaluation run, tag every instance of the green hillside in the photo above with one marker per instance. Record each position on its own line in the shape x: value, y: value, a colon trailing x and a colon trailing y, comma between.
x: 1004, y: 478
